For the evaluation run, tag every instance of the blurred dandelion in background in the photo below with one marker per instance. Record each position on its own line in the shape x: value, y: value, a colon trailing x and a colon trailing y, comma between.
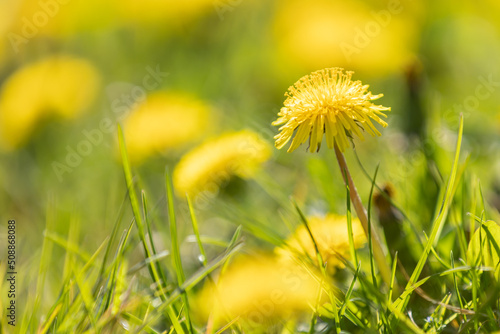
x: 261, y: 291
x: 328, y: 102
x: 165, y: 121
x: 58, y: 86
x: 332, y: 239
x: 373, y: 38
x: 215, y: 161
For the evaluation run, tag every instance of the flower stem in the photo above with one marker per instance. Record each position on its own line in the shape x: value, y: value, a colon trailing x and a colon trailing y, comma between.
x: 378, y: 253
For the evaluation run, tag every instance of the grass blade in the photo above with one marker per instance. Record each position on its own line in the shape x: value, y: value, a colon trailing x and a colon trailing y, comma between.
x: 401, y: 303
x: 176, y: 255
x: 140, y: 226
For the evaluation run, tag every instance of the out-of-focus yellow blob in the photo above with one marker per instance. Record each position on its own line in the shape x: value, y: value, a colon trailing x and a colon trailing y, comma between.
x: 59, y: 18
x: 331, y: 236
x: 165, y: 121
x: 259, y: 291
x: 170, y: 12
x: 56, y: 86
x: 215, y: 161
x: 8, y: 11
x: 321, y: 33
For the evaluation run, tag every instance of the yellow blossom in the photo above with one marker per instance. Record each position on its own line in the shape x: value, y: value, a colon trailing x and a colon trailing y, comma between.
x: 165, y: 121
x: 374, y: 37
x: 215, y: 161
x: 56, y: 86
x: 259, y: 291
x: 327, y: 101
x: 331, y: 236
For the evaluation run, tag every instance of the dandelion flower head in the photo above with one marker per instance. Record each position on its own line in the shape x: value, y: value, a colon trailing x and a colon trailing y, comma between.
x: 60, y: 86
x: 327, y: 102
x: 315, y: 34
x: 163, y: 122
x: 331, y: 236
x: 207, y: 166
x: 259, y: 290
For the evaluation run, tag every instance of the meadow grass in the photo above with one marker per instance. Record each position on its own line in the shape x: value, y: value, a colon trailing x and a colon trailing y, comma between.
x: 108, y: 291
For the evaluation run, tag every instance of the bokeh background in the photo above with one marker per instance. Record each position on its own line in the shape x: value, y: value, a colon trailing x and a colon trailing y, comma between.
x: 179, y: 74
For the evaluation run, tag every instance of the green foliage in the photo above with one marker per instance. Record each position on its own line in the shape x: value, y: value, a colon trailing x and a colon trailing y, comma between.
x: 484, y: 247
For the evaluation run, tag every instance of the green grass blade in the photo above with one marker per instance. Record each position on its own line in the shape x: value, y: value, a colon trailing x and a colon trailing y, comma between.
x: 45, y: 257
x: 333, y: 299
x: 87, y: 298
x: 196, y: 278
x: 176, y: 255
x: 393, y: 277
x: 196, y: 231
x: 370, y: 242
x: 135, y: 204
x: 70, y: 247
x: 140, y: 226
x: 401, y: 303
x: 155, y: 257
x: 455, y: 285
x: 349, y: 292
x: 378, y: 296
x: 113, y: 236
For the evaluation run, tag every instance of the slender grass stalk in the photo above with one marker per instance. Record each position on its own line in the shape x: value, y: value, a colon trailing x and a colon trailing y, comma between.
x: 196, y: 231
x: 176, y: 255
x: 46, y: 255
x: 393, y: 278
x: 370, y: 239
x: 140, y: 227
x: 196, y: 278
x: 349, y: 292
x: 403, y: 300
x: 378, y: 253
x: 155, y: 254
x: 322, y: 266
x: 455, y: 285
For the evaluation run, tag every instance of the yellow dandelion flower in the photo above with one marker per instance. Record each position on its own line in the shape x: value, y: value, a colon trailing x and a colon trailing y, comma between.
x: 215, y: 161
x: 165, y: 121
x: 331, y: 236
x: 367, y: 36
x: 56, y: 86
x: 259, y: 291
x: 327, y: 101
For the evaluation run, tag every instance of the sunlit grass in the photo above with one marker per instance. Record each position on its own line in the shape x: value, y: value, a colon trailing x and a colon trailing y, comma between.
x: 105, y: 291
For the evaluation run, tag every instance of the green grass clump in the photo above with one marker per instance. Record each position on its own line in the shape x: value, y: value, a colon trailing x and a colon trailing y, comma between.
x: 132, y: 284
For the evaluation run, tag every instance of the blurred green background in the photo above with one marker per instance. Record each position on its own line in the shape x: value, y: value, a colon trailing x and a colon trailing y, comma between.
x: 71, y: 70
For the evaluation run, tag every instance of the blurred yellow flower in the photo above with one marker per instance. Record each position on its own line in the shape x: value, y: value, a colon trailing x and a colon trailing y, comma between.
x: 331, y: 236
x: 376, y: 38
x: 167, y: 12
x: 7, y: 15
x: 259, y: 291
x: 56, y: 86
x: 328, y: 102
x: 165, y: 121
x: 215, y: 161
x: 33, y: 19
